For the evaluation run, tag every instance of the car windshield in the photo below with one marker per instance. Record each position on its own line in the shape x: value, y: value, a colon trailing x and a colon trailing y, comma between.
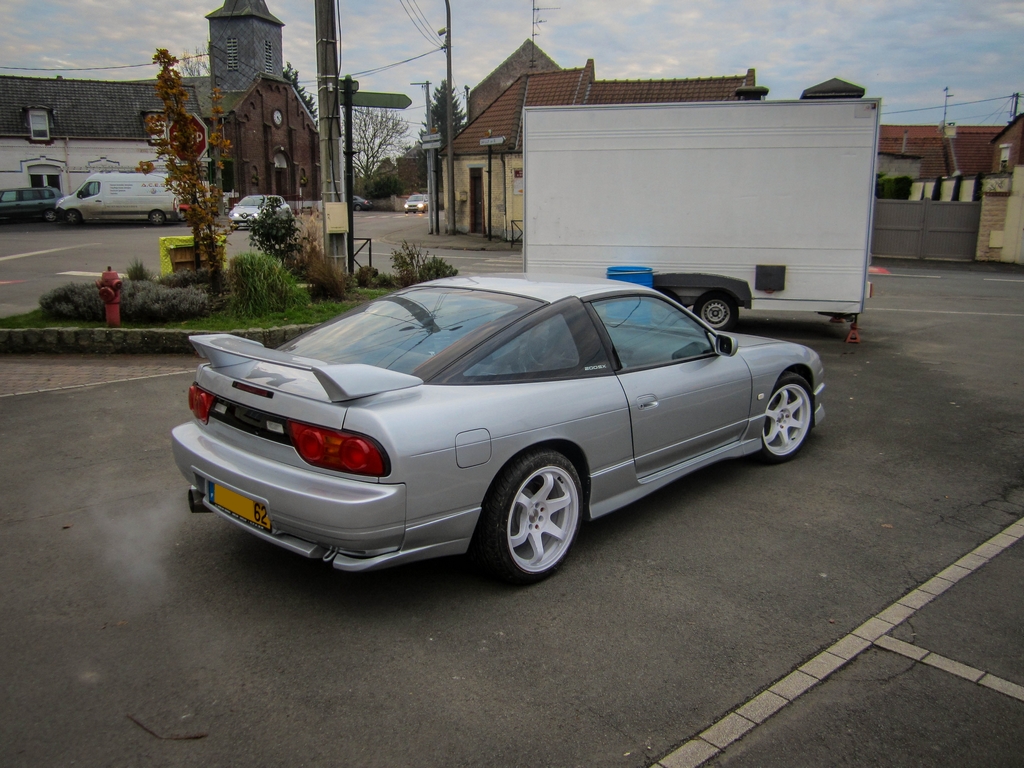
x: 252, y: 201
x: 403, y: 330
x: 417, y: 198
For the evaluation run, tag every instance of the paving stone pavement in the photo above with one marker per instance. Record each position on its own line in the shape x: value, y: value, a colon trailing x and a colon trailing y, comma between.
x: 22, y: 374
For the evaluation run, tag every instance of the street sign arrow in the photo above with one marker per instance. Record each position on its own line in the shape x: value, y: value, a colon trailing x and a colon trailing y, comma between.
x: 382, y: 100
x: 493, y: 141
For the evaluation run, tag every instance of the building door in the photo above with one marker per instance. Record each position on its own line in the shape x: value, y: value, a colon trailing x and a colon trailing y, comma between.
x: 476, y: 201
x: 281, y: 175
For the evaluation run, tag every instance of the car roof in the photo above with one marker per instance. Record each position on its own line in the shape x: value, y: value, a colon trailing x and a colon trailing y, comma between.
x: 543, y: 287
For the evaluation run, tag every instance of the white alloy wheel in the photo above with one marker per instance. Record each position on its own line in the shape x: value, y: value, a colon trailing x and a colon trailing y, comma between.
x: 529, y: 518
x: 787, y: 420
x: 543, y: 519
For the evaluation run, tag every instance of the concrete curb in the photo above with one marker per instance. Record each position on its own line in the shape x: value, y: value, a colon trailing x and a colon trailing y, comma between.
x: 126, y: 341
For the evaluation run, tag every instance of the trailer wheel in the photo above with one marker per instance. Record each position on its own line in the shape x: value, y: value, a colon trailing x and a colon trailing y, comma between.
x: 717, y: 309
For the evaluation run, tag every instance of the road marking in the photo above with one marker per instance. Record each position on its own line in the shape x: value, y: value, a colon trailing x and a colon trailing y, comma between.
x: 945, y: 312
x: 10, y: 282
x: 50, y: 250
x: 920, y: 277
x: 98, y: 383
x: 86, y: 274
x: 1001, y: 280
x: 874, y: 632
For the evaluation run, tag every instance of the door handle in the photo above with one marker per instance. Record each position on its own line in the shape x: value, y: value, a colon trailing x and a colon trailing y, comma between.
x: 645, y: 402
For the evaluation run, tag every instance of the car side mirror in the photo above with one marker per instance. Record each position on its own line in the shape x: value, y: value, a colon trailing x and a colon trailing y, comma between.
x: 725, y: 346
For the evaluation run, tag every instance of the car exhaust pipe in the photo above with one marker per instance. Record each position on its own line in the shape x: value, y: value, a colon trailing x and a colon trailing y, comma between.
x: 195, y: 501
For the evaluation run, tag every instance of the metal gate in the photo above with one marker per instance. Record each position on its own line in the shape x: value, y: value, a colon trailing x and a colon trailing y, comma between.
x: 926, y: 229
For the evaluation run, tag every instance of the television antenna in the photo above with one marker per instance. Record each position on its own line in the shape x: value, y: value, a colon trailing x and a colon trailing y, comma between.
x: 537, y: 21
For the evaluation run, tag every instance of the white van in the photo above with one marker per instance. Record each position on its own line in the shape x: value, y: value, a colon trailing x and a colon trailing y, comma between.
x: 110, y: 196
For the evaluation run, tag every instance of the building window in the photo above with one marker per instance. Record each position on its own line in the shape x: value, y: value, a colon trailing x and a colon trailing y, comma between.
x: 232, y: 45
x: 39, y: 124
x: 1004, y: 156
x: 268, y: 57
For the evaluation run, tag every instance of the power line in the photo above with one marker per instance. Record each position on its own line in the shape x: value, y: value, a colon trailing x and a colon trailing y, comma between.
x: 928, y: 109
x: 396, y: 64
x: 99, y: 69
x: 417, y: 21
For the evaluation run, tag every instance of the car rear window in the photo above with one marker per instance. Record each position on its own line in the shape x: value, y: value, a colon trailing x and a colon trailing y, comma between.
x: 409, y: 329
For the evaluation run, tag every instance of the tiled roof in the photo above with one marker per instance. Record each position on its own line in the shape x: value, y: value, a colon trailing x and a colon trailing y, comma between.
x: 660, y: 91
x: 578, y: 86
x: 969, y: 152
x: 94, y: 109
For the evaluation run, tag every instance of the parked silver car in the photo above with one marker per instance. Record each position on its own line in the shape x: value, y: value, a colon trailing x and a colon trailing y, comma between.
x: 482, y: 414
x: 249, y: 207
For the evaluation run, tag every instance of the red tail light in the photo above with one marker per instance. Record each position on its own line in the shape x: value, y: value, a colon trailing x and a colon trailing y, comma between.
x: 342, y: 451
x: 199, y: 402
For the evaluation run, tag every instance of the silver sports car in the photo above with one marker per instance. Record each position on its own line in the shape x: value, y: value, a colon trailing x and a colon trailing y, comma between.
x: 488, y: 415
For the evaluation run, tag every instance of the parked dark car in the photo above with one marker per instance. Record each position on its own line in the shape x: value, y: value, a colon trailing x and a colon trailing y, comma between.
x: 361, y: 203
x: 29, y: 203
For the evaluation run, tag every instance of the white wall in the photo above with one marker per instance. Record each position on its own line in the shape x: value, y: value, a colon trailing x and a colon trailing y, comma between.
x: 76, y: 159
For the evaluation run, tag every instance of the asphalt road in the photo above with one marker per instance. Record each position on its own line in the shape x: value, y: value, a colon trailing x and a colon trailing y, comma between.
x: 668, y: 615
x: 36, y: 257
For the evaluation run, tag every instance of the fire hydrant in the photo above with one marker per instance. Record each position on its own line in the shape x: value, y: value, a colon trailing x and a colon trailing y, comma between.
x: 110, y: 292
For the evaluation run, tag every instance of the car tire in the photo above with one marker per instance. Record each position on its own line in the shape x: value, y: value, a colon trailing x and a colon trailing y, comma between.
x: 157, y: 218
x: 788, y: 419
x: 357, y: 207
x: 50, y: 215
x: 519, y: 538
x: 717, y: 309
x: 73, y: 216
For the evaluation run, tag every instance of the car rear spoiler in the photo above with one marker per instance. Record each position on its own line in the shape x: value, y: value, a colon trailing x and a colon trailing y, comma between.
x: 341, y: 382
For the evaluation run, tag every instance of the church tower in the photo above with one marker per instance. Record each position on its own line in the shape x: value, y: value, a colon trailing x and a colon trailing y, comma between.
x: 245, y: 41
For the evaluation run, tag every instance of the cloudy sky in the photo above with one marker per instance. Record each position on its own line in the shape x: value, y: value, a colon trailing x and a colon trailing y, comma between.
x: 904, y: 51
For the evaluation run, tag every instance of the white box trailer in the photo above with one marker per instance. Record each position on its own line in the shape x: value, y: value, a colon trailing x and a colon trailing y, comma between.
x: 756, y: 204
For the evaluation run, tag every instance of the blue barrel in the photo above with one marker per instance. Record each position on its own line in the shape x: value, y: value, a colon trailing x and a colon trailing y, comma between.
x: 638, y: 275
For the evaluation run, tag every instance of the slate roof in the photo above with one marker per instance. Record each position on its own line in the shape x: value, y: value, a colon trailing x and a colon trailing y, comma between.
x: 969, y: 152
x: 577, y: 86
x: 833, y: 89
x: 245, y: 8
x: 88, y: 109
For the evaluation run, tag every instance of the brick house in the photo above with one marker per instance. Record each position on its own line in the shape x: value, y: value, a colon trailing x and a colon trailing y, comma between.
x: 957, y: 151
x: 55, y: 132
x: 502, y: 117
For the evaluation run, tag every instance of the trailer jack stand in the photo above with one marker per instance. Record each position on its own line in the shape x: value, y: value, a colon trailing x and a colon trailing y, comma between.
x: 853, y: 337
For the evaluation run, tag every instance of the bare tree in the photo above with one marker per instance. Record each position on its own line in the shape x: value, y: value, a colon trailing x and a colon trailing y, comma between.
x: 195, y: 63
x: 377, y: 135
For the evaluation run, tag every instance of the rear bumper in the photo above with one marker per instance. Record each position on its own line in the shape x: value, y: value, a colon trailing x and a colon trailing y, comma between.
x: 312, y: 513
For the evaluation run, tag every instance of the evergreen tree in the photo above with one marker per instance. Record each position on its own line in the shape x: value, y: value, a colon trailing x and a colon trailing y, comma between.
x: 439, y: 112
x: 292, y: 76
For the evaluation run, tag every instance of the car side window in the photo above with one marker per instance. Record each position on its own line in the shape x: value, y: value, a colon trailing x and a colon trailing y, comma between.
x: 646, y: 331
x: 559, y: 343
x: 90, y: 189
x: 9, y: 196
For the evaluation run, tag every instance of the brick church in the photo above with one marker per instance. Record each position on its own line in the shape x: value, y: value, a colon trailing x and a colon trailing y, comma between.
x: 274, y: 139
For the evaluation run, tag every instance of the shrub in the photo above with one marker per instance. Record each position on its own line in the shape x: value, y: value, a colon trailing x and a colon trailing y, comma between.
x: 893, y: 187
x: 141, y: 301
x: 384, y: 280
x: 383, y: 186
x: 74, y: 301
x: 365, y: 276
x: 185, y: 278
x: 413, y: 265
x: 275, y: 231
x: 260, y: 286
x: 137, y: 271
x: 435, y: 268
x: 326, y: 279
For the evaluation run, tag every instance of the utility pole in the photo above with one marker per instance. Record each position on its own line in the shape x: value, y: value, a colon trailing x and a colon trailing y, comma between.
x: 350, y: 177
x: 329, y: 123
x: 432, y: 212
x: 1016, y: 101
x: 449, y: 206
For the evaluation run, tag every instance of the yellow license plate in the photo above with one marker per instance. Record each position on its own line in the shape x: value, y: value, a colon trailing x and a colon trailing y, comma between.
x: 239, y: 505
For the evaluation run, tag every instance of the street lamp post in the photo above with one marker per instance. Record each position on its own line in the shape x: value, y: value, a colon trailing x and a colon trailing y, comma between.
x: 449, y: 213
